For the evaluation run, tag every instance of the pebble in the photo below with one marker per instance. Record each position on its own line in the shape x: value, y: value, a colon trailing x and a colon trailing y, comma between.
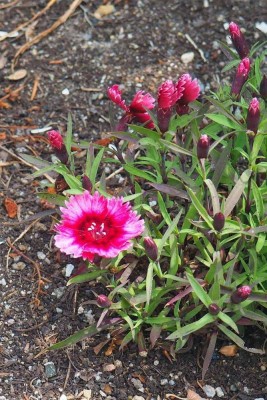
x: 69, y: 269
x: 233, y: 388
x: 109, y: 367
x: 171, y: 382
x: 66, y: 92
x: 41, y: 255
x: 138, y: 385
x: 58, y: 292
x: 3, y: 282
x: 118, y: 363
x: 63, y: 397
x: 18, y: 266
x: 259, y: 398
x: 262, y: 26
x: 209, y: 391
x: 219, y: 391
x: 187, y: 57
x: 50, y: 369
x: 163, y: 382
x: 138, y: 398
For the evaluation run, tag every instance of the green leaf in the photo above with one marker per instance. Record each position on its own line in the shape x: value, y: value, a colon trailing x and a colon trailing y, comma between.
x: 236, y: 192
x: 77, y: 337
x: 175, y: 148
x: 198, y: 290
x: 57, y: 199
x: 257, y: 196
x: 164, y: 210
x: 149, y: 283
x: 199, y: 207
x: 237, y: 340
x: 140, y: 173
x: 193, y: 327
x: 214, y: 196
x: 87, y: 276
x: 37, y: 162
x: 227, y: 320
x: 221, y: 164
x: 95, y: 166
x: 170, y: 190
x: 223, y: 120
x: 68, y: 139
x: 168, y: 232
x: 231, y: 65
x: 145, y: 132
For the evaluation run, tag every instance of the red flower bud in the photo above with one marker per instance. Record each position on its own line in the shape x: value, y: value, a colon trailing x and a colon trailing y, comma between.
x: 263, y: 87
x: 203, y: 146
x: 214, y: 309
x: 218, y: 221
x: 241, y: 76
x: 253, y: 115
x: 86, y: 183
x: 238, y: 40
x: 103, y: 301
x: 57, y: 143
x: 164, y: 116
x: 241, y: 294
x: 151, y: 248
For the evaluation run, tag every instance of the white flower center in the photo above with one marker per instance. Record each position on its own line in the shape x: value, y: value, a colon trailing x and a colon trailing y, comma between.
x: 97, y: 230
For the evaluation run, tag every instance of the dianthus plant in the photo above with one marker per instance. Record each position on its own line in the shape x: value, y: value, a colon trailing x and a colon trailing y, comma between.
x: 177, y: 243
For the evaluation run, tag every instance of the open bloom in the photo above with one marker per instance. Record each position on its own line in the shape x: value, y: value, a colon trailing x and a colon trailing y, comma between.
x: 241, y: 76
x: 238, y: 40
x: 189, y: 89
x: 137, y: 110
x: 167, y: 97
x: 93, y: 225
x: 253, y: 116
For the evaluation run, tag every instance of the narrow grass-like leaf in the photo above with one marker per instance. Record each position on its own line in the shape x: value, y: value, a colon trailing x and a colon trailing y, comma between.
x: 225, y: 121
x: 138, y: 172
x: 209, y: 354
x: 237, y: 340
x: 68, y: 139
x: 190, y: 328
x: 170, y: 229
x: 236, y: 192
x: 145, y: 131
x: 175, y: 148
x: 227, y: 320
x: 214, y: 196
x: 56, y: 199
x: 164, y: 210
x: 221, y: 164
x: 199, y: 207
x: 199, y: 291
x: 95, y: 166
x: 149, y: 283
x: 77, y: 337
x: 170, y: 190
x: 87, y: 277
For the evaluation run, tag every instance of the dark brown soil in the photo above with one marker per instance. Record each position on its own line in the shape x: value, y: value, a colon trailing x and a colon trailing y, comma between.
x: 139, y: 45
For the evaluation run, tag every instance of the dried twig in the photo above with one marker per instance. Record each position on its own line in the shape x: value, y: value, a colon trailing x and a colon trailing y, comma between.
x: 61, y: 20
x: 21, y: 26
x: 190, y: 40
x: 35, y: 87
x: 13, y: 3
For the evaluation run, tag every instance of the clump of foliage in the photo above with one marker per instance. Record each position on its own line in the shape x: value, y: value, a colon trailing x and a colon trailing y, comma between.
x: 182, y: 251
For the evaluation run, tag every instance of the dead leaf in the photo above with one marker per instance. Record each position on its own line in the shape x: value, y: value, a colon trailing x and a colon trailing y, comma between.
x: 100, y: 346
x: 29, y: 32
x: 140, y: 377
x: 229, y: 351
x: 11, y: 207
x: 3, y: 61
x: 17, y: 75
x: 104, y: 10
x: 107, y: 389
x: 191, y: 395
x: 4, y: 105
x: 2, y: 135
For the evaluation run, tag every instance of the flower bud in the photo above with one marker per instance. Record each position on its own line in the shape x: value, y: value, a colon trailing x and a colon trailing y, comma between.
x: 103, y: 301
x: 253, y: 115
x: 214, y: 309
x: 238, y: 40
x: 57, y: 143
x: 241, y: 76
x: 86, y: 183
x: 218, y: 221
x: 203, y: 146
x: 241, y: 294
x: 163, y: 117
x: 263, y: 87
x: 151, y: 248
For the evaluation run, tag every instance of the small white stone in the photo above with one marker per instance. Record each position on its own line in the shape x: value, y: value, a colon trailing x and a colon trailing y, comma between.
x: 66, y: 92
x: 205, y: 3
x: 63, y: 397
x: 209, y: 391
x: 41, y: 255
x: 69, y: 269
x: 152, y: 203
x: 156, y: 362
x: 219, y: 391
x: 3, y: 282
x: 118, y: 363
x: 80, y: 310
x: 226, y: 26
x: 262, y: 26
x: 187, y: 57
x: 163, y: 382
x: 18, y: 266
x: 138, y: 398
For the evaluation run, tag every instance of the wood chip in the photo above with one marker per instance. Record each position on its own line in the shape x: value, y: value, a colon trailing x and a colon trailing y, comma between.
x: 18, y: 75
x: 11, y: 207
x: 104, y: 10
x: 229, y: 351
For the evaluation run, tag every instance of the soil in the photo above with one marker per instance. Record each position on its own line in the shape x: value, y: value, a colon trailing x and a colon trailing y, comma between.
x: 138, y: 45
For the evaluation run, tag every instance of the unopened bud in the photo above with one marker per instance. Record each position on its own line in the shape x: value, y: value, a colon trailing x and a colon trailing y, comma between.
x: 214, y: 309
x: 103, y: 301
x: 253, y: 116
x: 151, y: 248
x: 241, y: 76
x: 86, y: 183
x: 163, y: 117
x: 263, y: 87
x: 238, y: 40
x: 241, y: 294
x: 218, y: 221
x: 203, y: 146
x: 57, y: 143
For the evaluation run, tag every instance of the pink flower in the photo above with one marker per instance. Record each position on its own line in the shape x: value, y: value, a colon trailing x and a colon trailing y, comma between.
x: 137, y: 110
x: 189, y: 88
x: 238, y: 40
x: 167, y: 95
x: 93, y: 225
x: 253, y: 116
x: 114, y: 93
x: 55, y: 139
x: 241, y: 76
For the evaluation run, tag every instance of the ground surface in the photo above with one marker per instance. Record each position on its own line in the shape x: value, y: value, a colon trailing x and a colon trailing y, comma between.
x: 138, y: 45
